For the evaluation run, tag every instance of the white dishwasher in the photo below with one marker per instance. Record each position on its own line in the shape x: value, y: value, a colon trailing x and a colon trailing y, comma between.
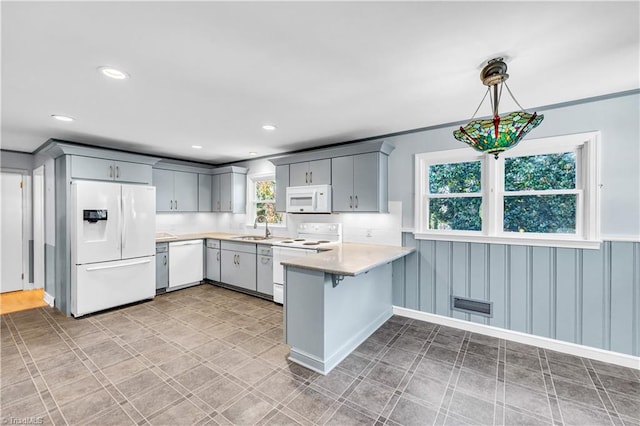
x: 186, y: 262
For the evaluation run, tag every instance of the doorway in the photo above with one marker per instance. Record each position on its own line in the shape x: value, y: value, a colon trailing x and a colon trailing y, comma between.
x: 11, y: 210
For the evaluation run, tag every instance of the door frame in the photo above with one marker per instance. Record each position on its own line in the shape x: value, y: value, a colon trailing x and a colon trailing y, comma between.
x: 38, y: 227
x: 26, y: 222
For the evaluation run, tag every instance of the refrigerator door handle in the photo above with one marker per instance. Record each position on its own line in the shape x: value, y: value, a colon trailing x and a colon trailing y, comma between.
x: 119, y: 246
x: 124, y: 220
x: 139, y: 262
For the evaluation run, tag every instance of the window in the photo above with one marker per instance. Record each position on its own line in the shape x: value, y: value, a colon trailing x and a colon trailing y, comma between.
x: 262, y: 196
x: 542, y: 192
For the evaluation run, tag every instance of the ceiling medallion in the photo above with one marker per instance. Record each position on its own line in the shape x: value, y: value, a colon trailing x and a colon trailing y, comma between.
x: 497, y: 134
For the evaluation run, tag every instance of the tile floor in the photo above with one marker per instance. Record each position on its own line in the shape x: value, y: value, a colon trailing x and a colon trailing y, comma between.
x: 206, y: 355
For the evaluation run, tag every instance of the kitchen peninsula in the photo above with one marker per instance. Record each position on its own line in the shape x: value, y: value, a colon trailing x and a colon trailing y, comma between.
x: 335, y: 299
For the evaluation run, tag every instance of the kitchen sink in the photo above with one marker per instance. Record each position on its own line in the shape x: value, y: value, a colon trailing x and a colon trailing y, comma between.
x: 251, y: 238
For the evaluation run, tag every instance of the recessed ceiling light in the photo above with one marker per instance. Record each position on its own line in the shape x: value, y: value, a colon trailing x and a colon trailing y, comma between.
x: 269, y: 127
x: 113, y: 73
x: 253, y: 153
x: 62, y: 117
x: 196, y: 146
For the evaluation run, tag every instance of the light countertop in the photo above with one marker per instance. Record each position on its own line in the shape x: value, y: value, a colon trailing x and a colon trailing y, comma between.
x: 165, y: 237
x: 350, y: 259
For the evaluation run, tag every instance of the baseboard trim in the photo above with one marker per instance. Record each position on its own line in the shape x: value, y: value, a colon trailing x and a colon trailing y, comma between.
x: 617, y: 358
x: 49, y: 299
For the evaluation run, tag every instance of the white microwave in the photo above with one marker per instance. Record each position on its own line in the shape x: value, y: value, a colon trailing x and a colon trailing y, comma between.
x: 309, y: 199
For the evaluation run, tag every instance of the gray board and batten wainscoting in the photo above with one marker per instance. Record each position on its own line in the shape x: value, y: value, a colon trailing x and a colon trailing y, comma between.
x: 582, y: 296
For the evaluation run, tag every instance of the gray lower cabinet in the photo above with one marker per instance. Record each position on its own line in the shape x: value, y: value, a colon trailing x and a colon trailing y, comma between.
x: 238, y: 264
x: 103, y: 169
x: 162, y: 266
x: 360, y: 183
x: 175, y: 191
x: 264, y: 270
x: 213, y: 260
x: 317, y: 172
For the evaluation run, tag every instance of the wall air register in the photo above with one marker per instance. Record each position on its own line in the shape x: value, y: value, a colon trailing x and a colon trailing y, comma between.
x: 472, y: 306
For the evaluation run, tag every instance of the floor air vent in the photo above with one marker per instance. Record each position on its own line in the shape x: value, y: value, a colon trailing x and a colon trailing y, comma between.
x: 472, y: 306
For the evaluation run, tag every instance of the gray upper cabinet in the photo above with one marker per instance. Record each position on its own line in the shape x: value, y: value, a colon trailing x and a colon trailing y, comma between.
x: 204, y: 193
x: 317, y: 172
x: 229, y: 192
x: 282, y: 181
x: 102, y: 169
x: 360, y: 183
x: 175, y: 191
x: 163, y: 181
x: 215, y: 193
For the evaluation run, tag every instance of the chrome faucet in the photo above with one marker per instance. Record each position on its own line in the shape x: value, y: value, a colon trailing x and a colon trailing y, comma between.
x: 267, y: 234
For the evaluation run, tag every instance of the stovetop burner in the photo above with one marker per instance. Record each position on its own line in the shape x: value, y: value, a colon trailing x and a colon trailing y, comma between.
x: 313, y: 236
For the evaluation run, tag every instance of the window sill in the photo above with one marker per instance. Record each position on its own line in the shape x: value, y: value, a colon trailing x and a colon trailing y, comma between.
x: 518, y: 241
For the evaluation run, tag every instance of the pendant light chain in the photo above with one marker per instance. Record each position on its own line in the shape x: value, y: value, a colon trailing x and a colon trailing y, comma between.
x: 514, y: 98
x: 481, y: 102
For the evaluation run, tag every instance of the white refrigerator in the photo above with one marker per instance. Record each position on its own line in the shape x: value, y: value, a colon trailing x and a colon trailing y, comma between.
x: 112, y: 245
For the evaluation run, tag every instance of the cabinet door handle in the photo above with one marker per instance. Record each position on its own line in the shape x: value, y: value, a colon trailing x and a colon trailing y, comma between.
x: 356, y: 201
x: 350, y: 201
x: 218, y: 256
x: 165, y: 259
x: 265, y: 260
x: 110, y: 171
x: 117, y: 172
x: 170, y: 204
x: 310, y: 177
x: 238, y: 258
x: 306, y: 177
x: 176, y: 204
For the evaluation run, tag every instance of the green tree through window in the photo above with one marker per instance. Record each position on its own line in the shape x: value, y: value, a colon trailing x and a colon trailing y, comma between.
x: 455, y: 199
x: 265, y: 196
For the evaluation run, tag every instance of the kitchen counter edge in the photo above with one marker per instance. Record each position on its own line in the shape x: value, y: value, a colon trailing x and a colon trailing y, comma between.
x: 350, y: 259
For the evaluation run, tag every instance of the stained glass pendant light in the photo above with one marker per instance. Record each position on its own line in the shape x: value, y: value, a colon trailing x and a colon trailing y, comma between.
x: 497, y: 134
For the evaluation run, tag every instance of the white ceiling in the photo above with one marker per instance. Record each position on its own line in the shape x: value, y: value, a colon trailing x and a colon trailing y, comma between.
x: 211, y: 73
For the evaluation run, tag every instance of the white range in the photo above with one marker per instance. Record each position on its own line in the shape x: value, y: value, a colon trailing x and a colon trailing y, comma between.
x: 312, y: 237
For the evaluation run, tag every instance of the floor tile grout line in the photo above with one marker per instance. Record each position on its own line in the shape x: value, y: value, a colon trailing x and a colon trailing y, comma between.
x: 26, y: 348
x: 545, y: 366
x: 590, y: 369
x: 445, y: 405
x: 92, y: 373
x: 114, y: 385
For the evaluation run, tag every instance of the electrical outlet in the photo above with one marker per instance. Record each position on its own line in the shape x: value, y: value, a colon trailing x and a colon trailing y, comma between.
x: 369, y: 233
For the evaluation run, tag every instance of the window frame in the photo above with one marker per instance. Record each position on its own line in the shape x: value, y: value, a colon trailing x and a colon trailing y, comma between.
x: 586, y: 146
x: 252, y: 201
